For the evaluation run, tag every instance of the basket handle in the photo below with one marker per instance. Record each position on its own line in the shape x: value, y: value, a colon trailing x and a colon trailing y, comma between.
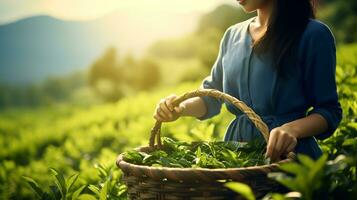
x: 258, y: 122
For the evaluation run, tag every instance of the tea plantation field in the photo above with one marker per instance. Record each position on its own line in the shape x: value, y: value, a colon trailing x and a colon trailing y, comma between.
x: 40, y: 145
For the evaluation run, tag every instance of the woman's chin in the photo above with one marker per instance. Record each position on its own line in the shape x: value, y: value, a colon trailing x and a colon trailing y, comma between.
x: 251, y: 6
x: 246, y: 9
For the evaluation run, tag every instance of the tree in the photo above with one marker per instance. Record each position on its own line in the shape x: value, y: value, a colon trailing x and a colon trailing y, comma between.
x: 105, y: 77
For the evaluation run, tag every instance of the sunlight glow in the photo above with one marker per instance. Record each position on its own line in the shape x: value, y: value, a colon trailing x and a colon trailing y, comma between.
x: 11, y: 10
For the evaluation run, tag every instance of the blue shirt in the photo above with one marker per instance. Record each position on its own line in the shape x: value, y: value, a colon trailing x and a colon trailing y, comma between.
x: 309, y: 82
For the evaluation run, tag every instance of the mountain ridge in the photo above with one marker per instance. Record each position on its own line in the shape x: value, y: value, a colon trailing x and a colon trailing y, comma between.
x: 36, y: 47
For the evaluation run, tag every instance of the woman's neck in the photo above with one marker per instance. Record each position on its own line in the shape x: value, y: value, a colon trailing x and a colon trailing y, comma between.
x: 264, y: 13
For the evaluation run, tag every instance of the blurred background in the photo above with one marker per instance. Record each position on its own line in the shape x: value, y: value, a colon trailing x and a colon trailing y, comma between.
x: 89, y: 52
x: 79, y: 79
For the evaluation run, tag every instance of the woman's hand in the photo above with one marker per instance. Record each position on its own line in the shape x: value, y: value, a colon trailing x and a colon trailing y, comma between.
x: 166, y: 112
x: 282, y: 140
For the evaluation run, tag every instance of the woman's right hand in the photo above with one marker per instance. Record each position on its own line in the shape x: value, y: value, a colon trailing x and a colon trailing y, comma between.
x: 166, y: 112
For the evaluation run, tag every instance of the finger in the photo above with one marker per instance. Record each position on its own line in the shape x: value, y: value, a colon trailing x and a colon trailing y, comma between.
x: 281, y: 144
x: 291, y: 146
x: 271, y: 143
x: 164, y: 110
x: 169, y: 105
x: 169, y: 101
x: 171, y: 96
x: 158, y: 118
x: 162, y: 115
x: 289, y: 140
x: 282, y: 152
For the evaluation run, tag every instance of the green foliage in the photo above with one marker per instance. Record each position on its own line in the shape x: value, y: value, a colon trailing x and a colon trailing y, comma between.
x: 105, y: 77
x: 48, y: 92
x: 62, y: 190
x: 201, y: 155
x: 321, y: 179
x: 109, y: 187
x: 242, y: 189
x: 334, y: 11
x: 344, y: 139
x: 73, y: 139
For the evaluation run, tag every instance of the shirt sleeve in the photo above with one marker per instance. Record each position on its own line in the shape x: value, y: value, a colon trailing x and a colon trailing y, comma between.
x: 214, y: 81
x: 320, y: 83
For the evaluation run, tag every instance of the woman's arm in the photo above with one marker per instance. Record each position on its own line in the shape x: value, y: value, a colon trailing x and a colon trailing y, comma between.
x: 283, y: 139
x: 309, y: 126
x: 194, y: 107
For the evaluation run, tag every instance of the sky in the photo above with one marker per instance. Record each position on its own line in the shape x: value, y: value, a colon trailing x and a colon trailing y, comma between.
x: 12, y: 10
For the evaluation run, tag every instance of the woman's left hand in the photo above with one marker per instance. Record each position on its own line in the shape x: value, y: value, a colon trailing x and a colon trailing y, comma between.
x: 282, y: 140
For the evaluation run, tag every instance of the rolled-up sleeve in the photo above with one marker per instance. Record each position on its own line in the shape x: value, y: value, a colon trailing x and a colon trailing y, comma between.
x: 214, y: 81
x: 320, y: 81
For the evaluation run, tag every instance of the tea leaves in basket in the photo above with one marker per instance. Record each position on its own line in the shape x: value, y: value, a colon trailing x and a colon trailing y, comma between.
x: 200, y: 155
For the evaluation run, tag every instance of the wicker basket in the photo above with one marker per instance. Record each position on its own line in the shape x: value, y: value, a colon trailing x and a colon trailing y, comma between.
x: 146, y: 182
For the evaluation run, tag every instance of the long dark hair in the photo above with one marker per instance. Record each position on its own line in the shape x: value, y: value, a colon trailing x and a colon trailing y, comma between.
x: 285, y: 27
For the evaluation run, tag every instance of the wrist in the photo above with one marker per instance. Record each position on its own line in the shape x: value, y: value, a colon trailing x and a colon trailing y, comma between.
x: 291, y: 130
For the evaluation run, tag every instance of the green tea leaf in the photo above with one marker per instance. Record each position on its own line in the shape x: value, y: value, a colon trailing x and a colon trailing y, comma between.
x: 94, y: 189
x: 293, y: 168
x: 76, y: 194
x: 104, y: 191
x: 87, y: 197
x: 34, y: 185
x: 60, y: 182
x: 70, y: 181
x: 242, y: 189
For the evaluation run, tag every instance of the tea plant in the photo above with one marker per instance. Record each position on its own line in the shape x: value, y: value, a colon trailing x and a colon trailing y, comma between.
x: 109, y: 187
x: 62, y: 190
x: 321, y: 179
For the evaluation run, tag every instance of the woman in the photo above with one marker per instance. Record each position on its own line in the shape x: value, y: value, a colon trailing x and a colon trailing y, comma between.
x: 280, y: 63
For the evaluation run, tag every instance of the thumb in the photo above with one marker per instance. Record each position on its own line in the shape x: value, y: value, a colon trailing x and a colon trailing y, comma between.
x: 179, y: 109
